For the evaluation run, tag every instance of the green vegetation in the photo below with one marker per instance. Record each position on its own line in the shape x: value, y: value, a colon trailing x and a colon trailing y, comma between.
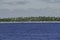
x: 40, y: 18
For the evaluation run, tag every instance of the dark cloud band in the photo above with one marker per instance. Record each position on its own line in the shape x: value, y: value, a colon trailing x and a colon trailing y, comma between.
x: 15, y: 2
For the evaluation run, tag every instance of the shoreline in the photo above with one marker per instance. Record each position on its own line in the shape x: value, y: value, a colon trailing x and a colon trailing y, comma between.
x: 34, y: 22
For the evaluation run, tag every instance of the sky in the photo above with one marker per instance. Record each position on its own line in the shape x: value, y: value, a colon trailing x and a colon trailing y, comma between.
x: 26, y: 8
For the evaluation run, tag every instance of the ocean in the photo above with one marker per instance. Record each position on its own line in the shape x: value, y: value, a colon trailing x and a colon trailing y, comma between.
x: 29, y: 31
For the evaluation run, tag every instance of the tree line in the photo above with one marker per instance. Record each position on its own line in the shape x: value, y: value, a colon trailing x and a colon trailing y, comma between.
x: 40, y: 18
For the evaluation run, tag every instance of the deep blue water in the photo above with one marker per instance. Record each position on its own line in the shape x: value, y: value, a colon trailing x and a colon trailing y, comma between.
x: 29, y: 31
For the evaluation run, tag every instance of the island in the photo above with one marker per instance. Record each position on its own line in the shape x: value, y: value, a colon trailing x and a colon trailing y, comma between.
x: 39, y: 18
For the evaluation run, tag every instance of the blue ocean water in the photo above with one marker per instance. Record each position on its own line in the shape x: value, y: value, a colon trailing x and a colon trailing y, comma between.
x: 29, y: 31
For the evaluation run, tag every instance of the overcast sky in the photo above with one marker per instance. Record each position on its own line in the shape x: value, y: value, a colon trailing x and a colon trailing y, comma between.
x: 19, y: 8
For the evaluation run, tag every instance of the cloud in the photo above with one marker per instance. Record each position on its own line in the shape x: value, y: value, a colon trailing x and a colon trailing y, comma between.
x: 16, y: 8
x: 22, y: 2
x: 14, y: 2
x: 51, y: 1
x: 29, y: 12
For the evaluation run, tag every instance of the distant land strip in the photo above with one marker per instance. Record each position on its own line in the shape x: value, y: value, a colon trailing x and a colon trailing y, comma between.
x: 31, y: 19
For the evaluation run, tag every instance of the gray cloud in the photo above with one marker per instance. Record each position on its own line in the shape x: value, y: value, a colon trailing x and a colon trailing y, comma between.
x: 14, y: 2
x: 22, y: 2
x: 29, y: 12
x: 17, y: 8
x: 51, y: 1
x: 0, y: 0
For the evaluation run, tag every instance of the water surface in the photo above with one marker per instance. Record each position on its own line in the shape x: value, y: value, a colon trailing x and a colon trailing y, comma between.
x: 29, y: 31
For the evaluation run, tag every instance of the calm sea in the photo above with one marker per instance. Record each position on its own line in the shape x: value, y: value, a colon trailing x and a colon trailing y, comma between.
x: 29, y: 31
